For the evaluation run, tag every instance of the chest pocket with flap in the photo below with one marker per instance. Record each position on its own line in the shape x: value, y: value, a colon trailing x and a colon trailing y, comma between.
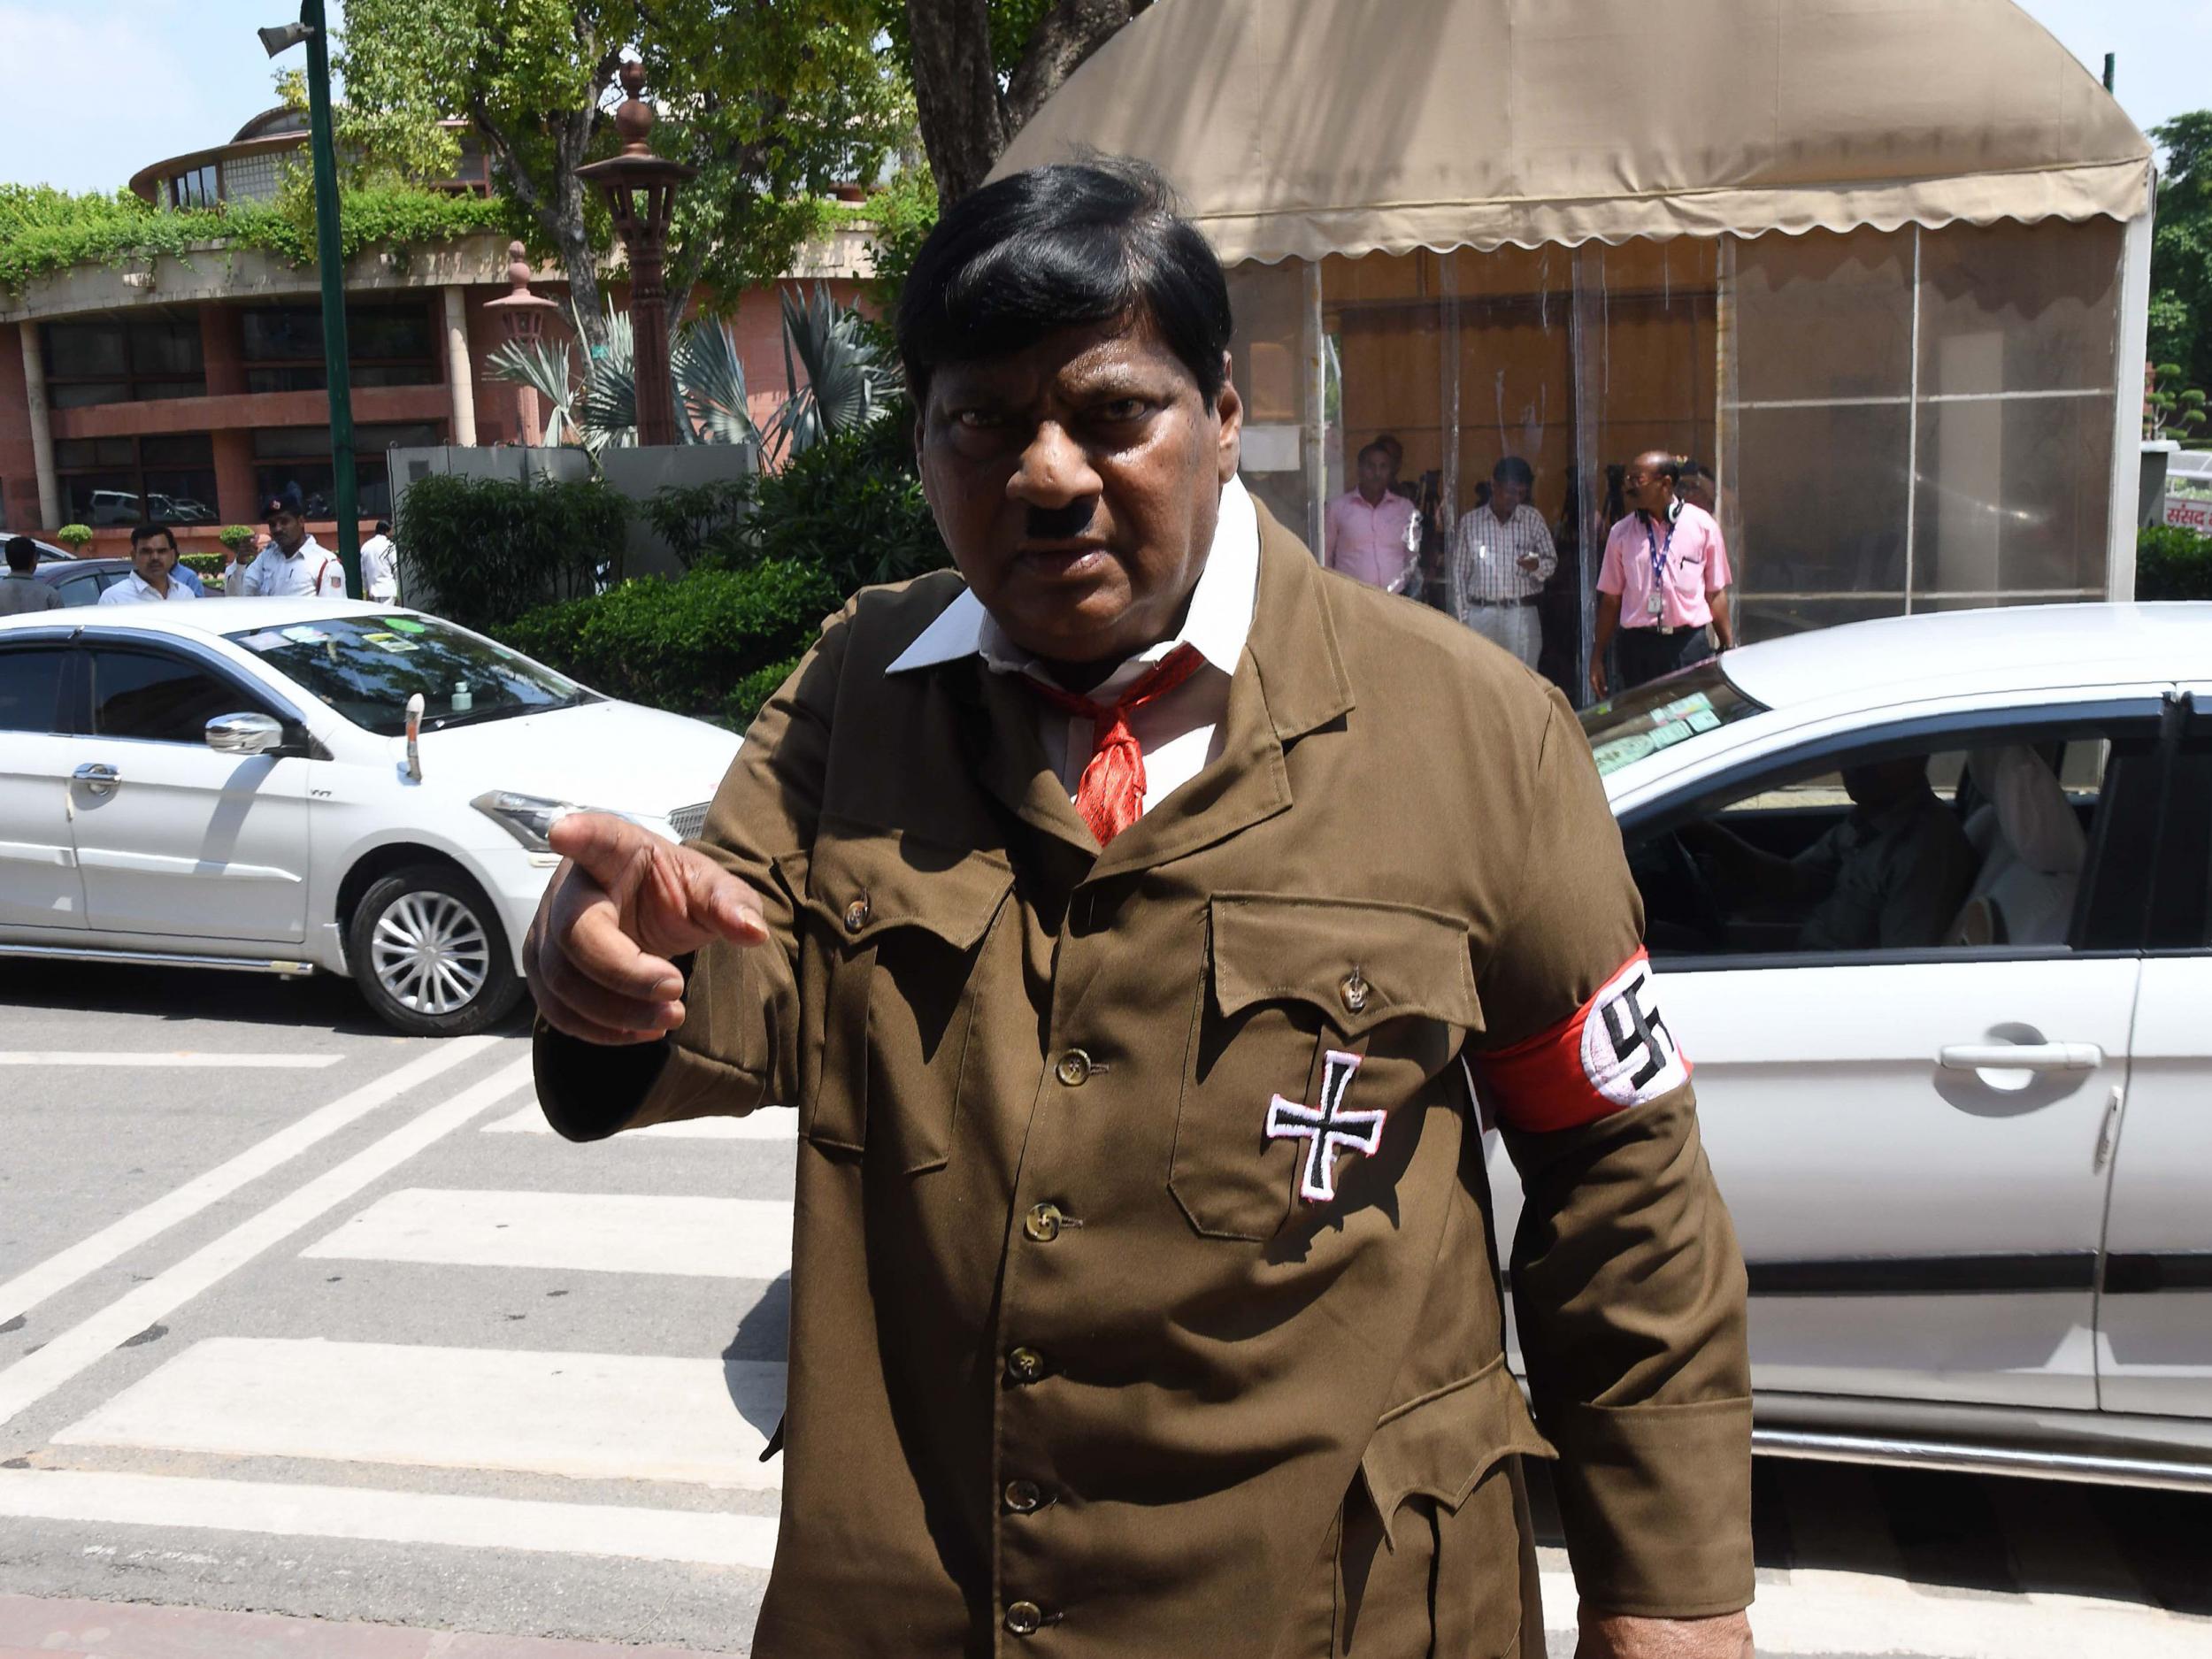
x: 886, y: 989
x: 1289, y: 980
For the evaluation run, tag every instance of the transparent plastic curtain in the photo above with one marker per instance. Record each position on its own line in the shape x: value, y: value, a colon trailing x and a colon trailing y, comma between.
x: 1920, y: 420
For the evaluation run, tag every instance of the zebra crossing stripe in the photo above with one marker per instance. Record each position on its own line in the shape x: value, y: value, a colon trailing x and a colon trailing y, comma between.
x: 770, y: 1123
x: 707, y: 1539
x: 696, y: 1237
x: 596, y: 1417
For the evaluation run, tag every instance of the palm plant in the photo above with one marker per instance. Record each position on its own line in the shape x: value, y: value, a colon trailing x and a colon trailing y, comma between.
x: 847, y: 381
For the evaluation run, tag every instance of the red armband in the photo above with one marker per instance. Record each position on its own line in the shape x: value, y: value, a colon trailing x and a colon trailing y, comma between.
x: 1612, y: 1053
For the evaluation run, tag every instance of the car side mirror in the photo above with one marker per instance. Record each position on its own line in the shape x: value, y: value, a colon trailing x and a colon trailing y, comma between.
x: 244, y: 733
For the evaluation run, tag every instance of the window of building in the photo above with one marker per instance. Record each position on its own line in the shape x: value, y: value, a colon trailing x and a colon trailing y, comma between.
x: 117, y: 360
x: 195, y: 187
x: 387, y: 343
x: 298, y: 457
x: 258, y: 175
x: 167, y: 478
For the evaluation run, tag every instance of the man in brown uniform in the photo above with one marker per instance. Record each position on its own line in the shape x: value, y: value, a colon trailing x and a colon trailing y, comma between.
x: 1135, y: 919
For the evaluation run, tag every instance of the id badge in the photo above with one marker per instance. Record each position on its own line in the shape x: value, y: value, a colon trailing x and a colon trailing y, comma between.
x: 1653, y: 605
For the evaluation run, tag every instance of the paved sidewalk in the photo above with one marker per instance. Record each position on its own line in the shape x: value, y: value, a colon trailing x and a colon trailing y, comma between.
x: 34, y: 1627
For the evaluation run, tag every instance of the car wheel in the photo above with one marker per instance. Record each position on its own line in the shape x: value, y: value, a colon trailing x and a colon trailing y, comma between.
x: 429, y: 954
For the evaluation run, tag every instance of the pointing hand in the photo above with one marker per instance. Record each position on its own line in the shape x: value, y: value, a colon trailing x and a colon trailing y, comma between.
x: 625, y: 903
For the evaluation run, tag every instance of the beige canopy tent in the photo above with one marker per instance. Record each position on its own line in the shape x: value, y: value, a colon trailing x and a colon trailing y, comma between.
x: 1881, y: 265
x: 1306, y: 127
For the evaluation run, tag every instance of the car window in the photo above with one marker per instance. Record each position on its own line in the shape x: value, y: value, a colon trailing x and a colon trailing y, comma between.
x: 30, y: 688
x: 367, y: 667
x: 158, y: 698
x: 1971, y: 841
x: 80, y: 589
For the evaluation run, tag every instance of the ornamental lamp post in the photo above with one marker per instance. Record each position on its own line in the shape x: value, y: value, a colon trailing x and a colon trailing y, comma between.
x: 330, y: 263
x: 640, y: 191
x: 523, y: 315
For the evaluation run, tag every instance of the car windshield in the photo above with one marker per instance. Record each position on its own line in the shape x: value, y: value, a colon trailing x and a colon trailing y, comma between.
x: 367, y: 667
x: 1665, y: 712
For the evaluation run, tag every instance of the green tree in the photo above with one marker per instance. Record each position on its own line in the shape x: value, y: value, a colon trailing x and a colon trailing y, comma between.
x: 982, y: 68
x: 2181, y: 249
x: 772, y: 100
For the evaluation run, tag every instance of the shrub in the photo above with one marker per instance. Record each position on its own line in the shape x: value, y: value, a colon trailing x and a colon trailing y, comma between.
x: 483, y: 550
x: 2171, y: 563
x: 236, y: 537
x: 704, y: 524
x: 74, y: 536
x: 852, y: 507
x: 755, y: 689
x: 697, y: 646
x: 207, y: 564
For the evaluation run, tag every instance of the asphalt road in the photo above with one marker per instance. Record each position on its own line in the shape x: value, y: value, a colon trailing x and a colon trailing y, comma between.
x: 301, y: 1318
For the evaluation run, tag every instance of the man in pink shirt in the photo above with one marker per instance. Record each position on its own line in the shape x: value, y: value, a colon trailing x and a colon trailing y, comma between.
x: 1664, y: 581
x: 1370, y: 533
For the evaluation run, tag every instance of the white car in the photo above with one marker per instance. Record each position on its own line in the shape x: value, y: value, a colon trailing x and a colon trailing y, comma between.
x: 1953, y: 1060
x: 228, y: 784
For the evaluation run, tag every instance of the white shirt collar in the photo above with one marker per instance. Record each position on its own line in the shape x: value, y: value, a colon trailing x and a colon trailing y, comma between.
x: 156, y: 594
x: 1219, y: 619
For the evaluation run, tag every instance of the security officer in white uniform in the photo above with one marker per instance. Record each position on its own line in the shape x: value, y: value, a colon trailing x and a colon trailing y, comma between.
x: 294, y: 563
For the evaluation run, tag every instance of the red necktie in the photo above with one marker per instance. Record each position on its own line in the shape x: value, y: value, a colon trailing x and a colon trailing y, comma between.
x: 1110, y: 795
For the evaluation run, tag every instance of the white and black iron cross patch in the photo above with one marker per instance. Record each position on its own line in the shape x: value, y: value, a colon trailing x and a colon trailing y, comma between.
x: 1327, y: 1129
x: 1628, y: 1053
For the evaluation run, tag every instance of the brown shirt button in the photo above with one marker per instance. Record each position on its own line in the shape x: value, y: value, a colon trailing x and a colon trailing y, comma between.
x: 1074, y: 1067
x: 1023, y: 1497
x: 1043, y: 1223
x: 1025, y: 1364
x: 1025, y: 1618
x: 856, y: 915
x: 1353, y: 990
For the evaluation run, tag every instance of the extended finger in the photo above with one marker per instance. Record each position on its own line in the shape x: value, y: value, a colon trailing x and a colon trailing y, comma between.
x: 602, y: 845
x: 710, y: 898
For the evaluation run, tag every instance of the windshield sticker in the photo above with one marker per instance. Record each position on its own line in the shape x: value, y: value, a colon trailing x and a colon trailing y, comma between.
x: 304, y: 635
x: 267, y: 640
x: 406, y: 625
x: 1703, y: 720
x: 1618, y: 753
x: 391, y: 642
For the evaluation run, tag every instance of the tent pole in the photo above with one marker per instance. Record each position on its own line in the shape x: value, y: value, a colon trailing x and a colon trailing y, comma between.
x: 2129, y: 357
x: 1316, y: 411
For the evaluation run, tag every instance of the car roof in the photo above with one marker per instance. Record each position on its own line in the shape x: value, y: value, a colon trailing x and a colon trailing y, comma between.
x: 1898, y: 659
x: 206, y: 617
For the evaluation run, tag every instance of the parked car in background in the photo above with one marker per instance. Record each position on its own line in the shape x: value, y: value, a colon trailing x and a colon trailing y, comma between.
x: 1962, y: 1113
x: 230, y: 785
x: 81, y: 581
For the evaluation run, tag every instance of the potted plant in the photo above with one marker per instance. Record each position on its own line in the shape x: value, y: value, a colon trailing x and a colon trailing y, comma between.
x: 74, y: 536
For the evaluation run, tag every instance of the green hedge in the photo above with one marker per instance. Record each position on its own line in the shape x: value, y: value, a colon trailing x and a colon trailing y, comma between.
x: 483, y: 550
x: 2171, y: 563
x: 852, y: 507
x: 714, y: 643
x: 207, y: 564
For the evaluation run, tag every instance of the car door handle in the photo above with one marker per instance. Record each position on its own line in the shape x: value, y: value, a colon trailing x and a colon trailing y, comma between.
x: 98, y: 776
x: 2020, y: 1057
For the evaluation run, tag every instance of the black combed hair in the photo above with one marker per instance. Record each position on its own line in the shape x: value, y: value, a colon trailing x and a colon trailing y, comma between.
x: 1077, y: 244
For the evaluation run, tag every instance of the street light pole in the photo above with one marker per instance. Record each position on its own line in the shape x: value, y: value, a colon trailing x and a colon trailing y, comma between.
x: 330, y: 262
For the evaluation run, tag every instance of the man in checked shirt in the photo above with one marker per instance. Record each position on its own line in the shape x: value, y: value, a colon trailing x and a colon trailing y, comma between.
x: 1501, y: 556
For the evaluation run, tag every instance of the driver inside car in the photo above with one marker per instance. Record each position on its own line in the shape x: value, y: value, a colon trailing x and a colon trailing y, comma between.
x: 1891, y: 876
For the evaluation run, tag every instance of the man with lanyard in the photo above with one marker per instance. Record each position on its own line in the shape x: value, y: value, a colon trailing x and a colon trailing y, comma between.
x: 153, y: 578
x: 1134, y: 916
x: 294, y: 563
x: 1663, y: 581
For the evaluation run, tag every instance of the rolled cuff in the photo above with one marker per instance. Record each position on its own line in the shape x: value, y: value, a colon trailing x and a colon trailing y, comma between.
x: 589, y: 1092
x: 1656, y: 1504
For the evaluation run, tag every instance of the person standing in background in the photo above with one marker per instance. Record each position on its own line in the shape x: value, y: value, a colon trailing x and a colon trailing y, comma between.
x: 152, y: 580
x: 1663, y: 581
x: 1502, y: 557
x: 1371, y: 533
x: 294, y: 563
x: 20, y: 589
x: 379, y: 566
